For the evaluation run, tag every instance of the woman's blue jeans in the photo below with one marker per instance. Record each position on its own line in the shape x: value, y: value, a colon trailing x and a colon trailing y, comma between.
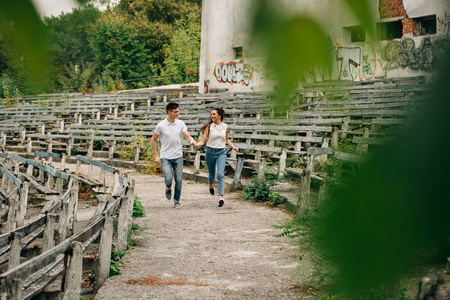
x: 216, y: 157
x: 173, y: 168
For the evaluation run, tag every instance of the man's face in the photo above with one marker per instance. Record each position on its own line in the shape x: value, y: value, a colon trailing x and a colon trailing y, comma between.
x: 174, y: 113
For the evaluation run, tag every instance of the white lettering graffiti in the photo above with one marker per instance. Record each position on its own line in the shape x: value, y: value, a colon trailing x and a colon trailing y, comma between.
x: 233, y: 73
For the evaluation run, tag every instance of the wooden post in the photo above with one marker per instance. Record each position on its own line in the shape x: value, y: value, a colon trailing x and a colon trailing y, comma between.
x: 77, y: 169
x: 91, y: 146
x: 116, y: 186
x: 14, y: 258
x: 50, y: 148
x: 63, y: 162
x: 104, y: 254
x: 49, y: 233
x: 237, y: 174
x: 63, y: 222
x: 111, y: 149
x: 136, y: 155
x: 197, y: 162
x: 335, y: 137
x: 262, y: 170
x: 122, y: 226
x: 61, y: 126
x: 363, y: 148
x: 69, y: 146
x: 116, y: 108
x: 59, y: 185
x: 29, y: 146
x: 23, y: 202
x: 282, y: 163
x: 3, y: 140
x: 14, y: 289
x: 345, y: 127
x: 305, y: 189
x: 50, y: 181
x: 11, y: 222
x: 23, y: 136
x: 74, y: 201
x: 72, y: 287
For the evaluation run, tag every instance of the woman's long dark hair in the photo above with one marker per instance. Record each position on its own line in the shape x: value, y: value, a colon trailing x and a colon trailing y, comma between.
x: 220, y: 112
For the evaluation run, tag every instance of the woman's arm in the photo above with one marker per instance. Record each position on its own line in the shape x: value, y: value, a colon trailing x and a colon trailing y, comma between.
x: 204, y: 138
x: 229, y: 142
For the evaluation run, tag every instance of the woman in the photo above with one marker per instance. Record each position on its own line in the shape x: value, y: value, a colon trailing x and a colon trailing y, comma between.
x: 216, y: 132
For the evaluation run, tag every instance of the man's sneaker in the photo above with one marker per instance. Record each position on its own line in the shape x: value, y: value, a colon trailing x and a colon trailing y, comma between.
x: 221, y: 202
x: 177, y: 205
x: 168, y: 193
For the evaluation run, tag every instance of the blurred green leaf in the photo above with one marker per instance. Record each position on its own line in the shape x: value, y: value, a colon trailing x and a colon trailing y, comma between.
x: 29, y: 34
x: 293, y: 46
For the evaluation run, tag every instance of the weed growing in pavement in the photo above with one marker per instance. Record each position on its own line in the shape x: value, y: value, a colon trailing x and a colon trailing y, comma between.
x: 138, y: 208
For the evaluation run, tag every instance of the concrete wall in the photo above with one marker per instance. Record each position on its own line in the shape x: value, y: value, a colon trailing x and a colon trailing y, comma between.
x: 225, y: 26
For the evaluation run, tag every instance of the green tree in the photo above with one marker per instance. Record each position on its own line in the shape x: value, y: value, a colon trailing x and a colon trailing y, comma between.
x: 118, y: 50
x: 155, y: 22
x: 183, y: 50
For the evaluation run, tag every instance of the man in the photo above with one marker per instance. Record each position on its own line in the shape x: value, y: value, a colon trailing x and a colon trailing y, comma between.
x: 170, y: 130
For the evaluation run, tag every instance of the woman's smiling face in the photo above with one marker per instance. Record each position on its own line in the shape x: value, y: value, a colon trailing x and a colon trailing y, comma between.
x: 215, y: 116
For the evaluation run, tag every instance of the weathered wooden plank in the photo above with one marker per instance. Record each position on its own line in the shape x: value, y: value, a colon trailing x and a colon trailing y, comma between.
x: 11, y: 177
x: 371, y: 140
x: 40, y: 188
x: 319, y: 151
x: 96, y: 163
x: 48, y: 154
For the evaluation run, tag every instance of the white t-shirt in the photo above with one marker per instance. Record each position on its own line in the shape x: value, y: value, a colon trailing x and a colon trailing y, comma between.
x: 217, y: 136
x: 170, y: 138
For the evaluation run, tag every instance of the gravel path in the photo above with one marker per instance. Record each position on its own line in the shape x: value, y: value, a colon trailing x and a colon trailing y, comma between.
x: 205, y: 252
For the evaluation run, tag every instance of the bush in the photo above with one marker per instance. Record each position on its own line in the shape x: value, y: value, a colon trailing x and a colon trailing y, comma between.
x: 261, y: 191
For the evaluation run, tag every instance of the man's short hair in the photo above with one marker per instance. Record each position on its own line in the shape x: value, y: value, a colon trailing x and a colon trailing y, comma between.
x: 171, y: 106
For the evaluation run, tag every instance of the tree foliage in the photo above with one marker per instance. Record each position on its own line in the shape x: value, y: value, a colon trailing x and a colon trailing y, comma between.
x: 88, y: 49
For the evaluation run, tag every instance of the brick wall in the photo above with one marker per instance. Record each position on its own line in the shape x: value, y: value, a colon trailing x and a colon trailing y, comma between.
x: 408, y: 25
x: 393, y: 9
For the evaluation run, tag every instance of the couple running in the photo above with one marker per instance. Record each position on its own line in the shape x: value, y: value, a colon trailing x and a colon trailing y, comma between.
x: 215, y: 134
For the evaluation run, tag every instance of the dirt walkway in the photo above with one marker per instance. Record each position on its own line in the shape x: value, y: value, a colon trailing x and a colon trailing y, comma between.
x: 205, y: 252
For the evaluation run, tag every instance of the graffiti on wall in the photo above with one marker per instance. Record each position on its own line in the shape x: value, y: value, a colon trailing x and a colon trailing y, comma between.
x: 356, y: 62
x: 233, y: 73
x: 365, y: 62
x: 443, y: 24
x: 404, y: 54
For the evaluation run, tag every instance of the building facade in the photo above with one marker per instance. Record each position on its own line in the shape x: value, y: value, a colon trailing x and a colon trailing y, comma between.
x: 412, y: 36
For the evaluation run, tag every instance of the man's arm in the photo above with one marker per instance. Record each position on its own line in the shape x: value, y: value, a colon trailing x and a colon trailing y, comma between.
x: 155, y: 151
x: 188, y: 138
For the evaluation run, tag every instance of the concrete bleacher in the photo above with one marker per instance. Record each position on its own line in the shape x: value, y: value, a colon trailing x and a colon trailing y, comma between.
x: 320, y: 115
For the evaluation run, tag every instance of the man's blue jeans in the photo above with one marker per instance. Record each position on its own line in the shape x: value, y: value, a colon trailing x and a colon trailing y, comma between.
x: 173, y: 168
x: 216, y: 156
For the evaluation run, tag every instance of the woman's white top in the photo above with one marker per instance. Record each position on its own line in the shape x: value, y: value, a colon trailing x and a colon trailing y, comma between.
x: 217, y: 135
